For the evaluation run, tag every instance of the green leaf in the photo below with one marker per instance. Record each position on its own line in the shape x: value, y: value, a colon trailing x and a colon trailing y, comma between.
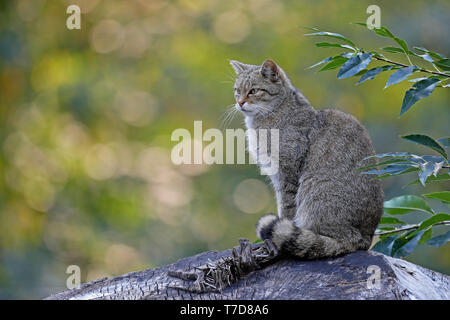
x: 336, y: 45
x: 369, y: 75
x: 432, y: 220
x: 438, y: 178
x: 395, y: 169
x: 405, y: 245
x: 390, y: 220
x: 417, y: 79
x: 397, y: 173
x: 406, y: 204
x: 419, y: 90
x: 435, y: 159
x: 322, y: 62
x: 354, y: 65
x: 331, y: 35
x: 335, y: 63
x: 444, y: 141
x: 426, y: 170
x: 434, y: 55
x: 360, y: 23
x: 443, y: 196
x: 385, y: 246
x: 399, y: 50
x: 380, y: 55
x: 400, y: 75
x: 439, y: 240
x: 426, y: 236
x: 425, y: 57
x: 391, y: 154
x: 383, y: 163
x: 392, y: 49
x: 384, y: 32
x: 427, y: 142
x: 361, y: 72
x: 443, y: 64
x: 402, y: 44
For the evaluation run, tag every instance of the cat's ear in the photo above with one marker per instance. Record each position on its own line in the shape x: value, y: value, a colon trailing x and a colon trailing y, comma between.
x: 238, y: 66
x: 270, y: 70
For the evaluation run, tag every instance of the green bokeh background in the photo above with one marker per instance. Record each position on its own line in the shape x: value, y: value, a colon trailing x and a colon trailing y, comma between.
x: 86, y: 118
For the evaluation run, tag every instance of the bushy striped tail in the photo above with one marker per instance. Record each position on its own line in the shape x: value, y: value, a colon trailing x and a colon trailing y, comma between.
x: 302, y: 243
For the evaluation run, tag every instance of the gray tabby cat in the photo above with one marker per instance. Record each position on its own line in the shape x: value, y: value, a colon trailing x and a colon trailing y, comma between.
x: 325, y: 206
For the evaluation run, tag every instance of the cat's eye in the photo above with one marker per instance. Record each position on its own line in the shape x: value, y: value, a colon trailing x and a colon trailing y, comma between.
x: 237, y: 90
x: 253, y: 91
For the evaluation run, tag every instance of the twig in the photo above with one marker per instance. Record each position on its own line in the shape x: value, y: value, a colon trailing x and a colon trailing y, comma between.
x: 409, y: 228
x: 404, y: 65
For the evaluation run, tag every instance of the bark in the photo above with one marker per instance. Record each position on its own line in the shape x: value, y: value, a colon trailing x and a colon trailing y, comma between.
x: 352, y: 276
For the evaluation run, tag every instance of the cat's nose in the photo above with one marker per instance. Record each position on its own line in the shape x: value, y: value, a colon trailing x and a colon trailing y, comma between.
x: 241, y: 102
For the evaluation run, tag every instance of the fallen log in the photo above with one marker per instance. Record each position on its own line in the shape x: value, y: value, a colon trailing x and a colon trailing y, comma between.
x: 358, y: 275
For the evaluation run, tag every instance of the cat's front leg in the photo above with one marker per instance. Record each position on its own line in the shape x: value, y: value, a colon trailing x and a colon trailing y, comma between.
x: 285, y: 192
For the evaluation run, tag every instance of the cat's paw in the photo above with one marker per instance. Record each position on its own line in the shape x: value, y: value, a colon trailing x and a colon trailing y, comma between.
x: 264, y: 226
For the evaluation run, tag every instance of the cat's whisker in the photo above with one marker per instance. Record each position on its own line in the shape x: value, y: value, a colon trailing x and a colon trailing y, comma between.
x: 228, y: 109
x: 225, y: 118
x: 231, y: 118
x: 228, y: 116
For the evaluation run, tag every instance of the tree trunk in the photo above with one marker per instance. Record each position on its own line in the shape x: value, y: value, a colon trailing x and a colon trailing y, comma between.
x: 353, y: 276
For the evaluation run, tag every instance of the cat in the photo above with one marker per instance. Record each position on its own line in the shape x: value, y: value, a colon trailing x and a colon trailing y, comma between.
x: 326, y: 207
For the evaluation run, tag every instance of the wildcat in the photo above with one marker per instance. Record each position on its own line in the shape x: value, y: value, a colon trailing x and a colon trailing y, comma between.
x: 325, y: 206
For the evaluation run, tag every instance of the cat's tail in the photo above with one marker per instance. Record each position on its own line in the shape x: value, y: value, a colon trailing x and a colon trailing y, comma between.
x: 302, y: 243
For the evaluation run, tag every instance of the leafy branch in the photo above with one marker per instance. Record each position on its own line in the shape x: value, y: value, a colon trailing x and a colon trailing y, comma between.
x: 426, y: 166
x: 355, y: 63
x: 405, y: 66
x: 415, y: 226
x: 398, y: 239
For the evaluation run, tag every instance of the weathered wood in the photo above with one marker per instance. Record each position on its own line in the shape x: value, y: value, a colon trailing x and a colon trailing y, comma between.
x: 345, y: 277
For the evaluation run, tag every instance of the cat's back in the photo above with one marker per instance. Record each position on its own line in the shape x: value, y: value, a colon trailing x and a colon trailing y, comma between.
x: 341, y: 141
x: 338, y: 121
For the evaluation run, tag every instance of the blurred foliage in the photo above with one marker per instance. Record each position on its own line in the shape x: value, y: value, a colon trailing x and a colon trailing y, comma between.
x: 86, y: 118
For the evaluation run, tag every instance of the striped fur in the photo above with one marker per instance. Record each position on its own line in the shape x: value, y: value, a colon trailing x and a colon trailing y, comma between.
x: 325, y: 206
x: 302, y: 243
x: 265, y: 226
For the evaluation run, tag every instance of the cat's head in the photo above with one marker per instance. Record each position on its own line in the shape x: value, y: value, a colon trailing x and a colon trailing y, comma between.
x: 259, y: 89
